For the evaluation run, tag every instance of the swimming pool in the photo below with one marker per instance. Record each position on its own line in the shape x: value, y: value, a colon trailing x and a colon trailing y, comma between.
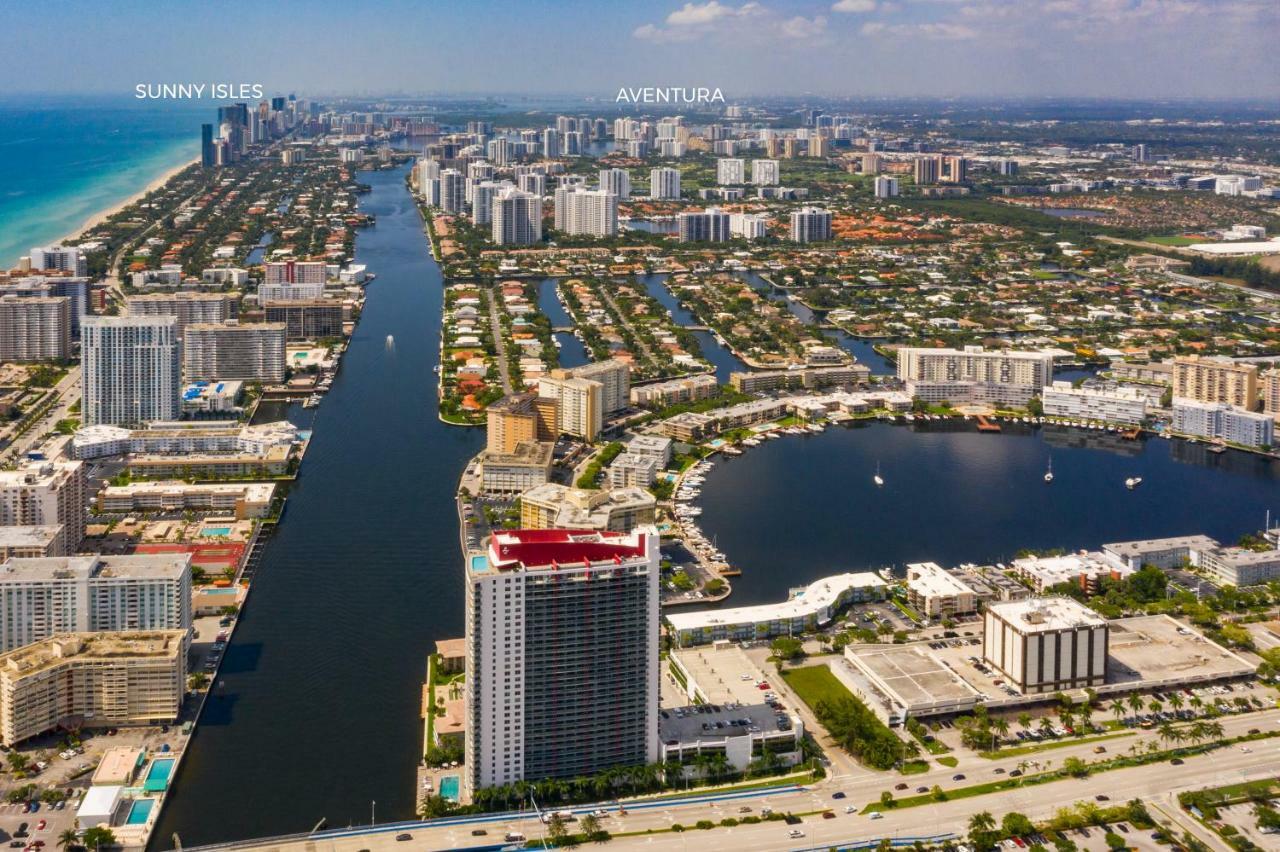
x: 158, y: 775
x: 139, y: 811
x: 216, y: 532
x: 449, y: 787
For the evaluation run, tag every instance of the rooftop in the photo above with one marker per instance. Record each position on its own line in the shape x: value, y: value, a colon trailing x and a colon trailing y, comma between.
x: 43, y: 568
x: 108, y: 647
x: 930, y: 578
x: 28, y: 536
x: 1043, y: 615
x: 701, y: 722
x: 817, y: 596
x: 516, y: 549
x: 1134, y: 549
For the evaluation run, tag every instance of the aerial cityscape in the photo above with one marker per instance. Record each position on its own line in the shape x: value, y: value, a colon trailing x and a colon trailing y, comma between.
x: 771, y: 425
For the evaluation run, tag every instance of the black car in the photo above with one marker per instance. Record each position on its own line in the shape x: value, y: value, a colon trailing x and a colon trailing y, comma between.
x: 478, y: 832
x: 405, y: 836
x: 837, y: 795
x: 958, y: 777
x: 1102, y: 797
x: 1177, y: 761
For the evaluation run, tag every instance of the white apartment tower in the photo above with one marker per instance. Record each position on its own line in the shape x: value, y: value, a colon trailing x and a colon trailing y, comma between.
x: 730, y: 171
x: 43, y: 493
x: 131, y: 369
x: 562, y: 654
x: 591, y: 212
x: 616, y: 181
x: 517, y: 217
x: 42, y: 597
x: 810, y: 225
x: 765, y: 172
x: 223, y: 351
x: 35, y: 328
x: 664, y: 183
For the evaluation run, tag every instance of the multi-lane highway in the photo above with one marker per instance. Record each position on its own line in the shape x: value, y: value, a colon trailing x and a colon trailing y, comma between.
x: 1156, y: 783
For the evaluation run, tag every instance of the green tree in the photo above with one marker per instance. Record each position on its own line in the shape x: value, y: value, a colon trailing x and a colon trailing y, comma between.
x: 1015, y: 824
x: 982, y: 829
x: 557, y: 831
x: 97, y: 837
x: 68, y: 839
x: 886, y: 799
x: 434, y: 806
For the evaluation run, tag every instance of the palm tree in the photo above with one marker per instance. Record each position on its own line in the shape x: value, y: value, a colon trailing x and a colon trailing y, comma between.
x: 1001, y: 726
x: 1168, y: 733
x: 1117, y: 710
x: 68, y: 839
x: 1176, y: 702
x: 1196, y: 703
x: 1024, y: 719
x: 981, y: 825
x: 1156, y: 705
x: 1136, y: 704
x: 1046, y: 725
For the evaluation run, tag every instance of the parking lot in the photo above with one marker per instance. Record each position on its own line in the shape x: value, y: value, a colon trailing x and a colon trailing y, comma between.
x: 721, y: 675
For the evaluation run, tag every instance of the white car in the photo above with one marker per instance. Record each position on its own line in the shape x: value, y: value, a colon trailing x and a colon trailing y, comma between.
x: 795, y: 833
x: 875, y: 815
x: 850, y: 809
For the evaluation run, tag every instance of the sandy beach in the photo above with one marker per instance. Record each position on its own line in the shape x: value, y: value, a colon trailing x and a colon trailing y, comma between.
x: 103, y: 215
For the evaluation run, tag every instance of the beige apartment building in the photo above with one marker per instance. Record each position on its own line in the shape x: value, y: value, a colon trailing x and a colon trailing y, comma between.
x: 580, y: 403
x: 554, y: 506
x: 1270, y: 384
x: 521, y: 417
x: 1215, y: 380
x: 92, y: 680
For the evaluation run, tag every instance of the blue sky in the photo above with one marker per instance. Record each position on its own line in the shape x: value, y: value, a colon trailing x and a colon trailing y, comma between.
x: 1106, y: 48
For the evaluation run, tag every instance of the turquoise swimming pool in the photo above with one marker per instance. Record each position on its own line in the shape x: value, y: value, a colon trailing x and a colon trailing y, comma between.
x: 449, y: 787
x: 158, y: 775
x: 217, y: 532
x: 139, y: 811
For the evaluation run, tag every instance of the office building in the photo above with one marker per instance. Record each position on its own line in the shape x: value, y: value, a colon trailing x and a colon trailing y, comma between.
x: 1239, y: 566
x: 40, y: 492
x: 517, y: 217
x: 730, y: 171
x: 310, y: 320
x: 1221, y: 422
x: 1215, y: 380
x: 521, y: 417
x: 708, y: 226
x: 810, y: 225
x: 616, y: 182
x: 562, y: 655
x: 554, y: 506
x: 92, y: 680
x: 586, y: 212
x: 886, y: 187
x: 34, y: 328
x: 937, y: 593
x: 954, y: 170
x: 664, y: 183
x: 579, y: 403
x: 131, y: 369
x: 765, y: 172
x: 1123, y: 405
x: 67, y: 259
x: 40, y: 598
x: 232, y: 351
x: 188, y: 308
x: 974, y: 374
x: 1046, y: 645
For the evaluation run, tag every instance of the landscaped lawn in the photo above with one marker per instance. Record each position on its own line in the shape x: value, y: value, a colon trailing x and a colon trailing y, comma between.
x: 1171, y: 240
x: 816, y: 683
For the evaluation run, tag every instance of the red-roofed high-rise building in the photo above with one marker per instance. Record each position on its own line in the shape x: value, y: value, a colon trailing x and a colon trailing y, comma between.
x: 562, y: 654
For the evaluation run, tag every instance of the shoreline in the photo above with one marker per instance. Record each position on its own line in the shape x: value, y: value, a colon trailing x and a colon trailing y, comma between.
x: 101, y: 216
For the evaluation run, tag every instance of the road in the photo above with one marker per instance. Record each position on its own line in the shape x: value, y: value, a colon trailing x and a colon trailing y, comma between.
x: 68, y: 392
x: 499, y: 341
x: 1151, y: 783
x: 626, y: 323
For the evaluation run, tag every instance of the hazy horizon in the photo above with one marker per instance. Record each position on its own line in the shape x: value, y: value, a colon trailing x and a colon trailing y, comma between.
x: 1107, y: 49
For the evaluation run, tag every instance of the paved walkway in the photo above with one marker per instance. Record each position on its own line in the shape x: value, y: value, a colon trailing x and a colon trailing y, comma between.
x: 499, y: 341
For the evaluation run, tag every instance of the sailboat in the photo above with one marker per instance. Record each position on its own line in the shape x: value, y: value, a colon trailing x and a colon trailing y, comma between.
x: 1048, y: 474
x: 878, y: 479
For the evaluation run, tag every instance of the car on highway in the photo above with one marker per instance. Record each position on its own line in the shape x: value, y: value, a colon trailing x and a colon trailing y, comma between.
x: 849, y: 809
x: 959, y: 776
x: 875, y: 815
x: 900, y: 786
x: 839, y: 794
x: 795, y: 834
x: 404, y: 836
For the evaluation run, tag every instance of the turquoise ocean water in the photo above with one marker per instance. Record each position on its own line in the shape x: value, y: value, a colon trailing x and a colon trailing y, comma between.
x: 63, y: 159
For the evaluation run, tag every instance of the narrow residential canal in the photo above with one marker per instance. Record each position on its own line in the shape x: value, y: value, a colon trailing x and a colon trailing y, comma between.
x: 316, y: 710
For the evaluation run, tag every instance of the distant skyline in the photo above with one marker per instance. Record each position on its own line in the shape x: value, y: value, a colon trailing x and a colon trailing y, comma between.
x: 1124, y: 49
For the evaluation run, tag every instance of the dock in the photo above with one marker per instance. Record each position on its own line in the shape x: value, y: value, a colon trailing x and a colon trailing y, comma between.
x: 985, y: 425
